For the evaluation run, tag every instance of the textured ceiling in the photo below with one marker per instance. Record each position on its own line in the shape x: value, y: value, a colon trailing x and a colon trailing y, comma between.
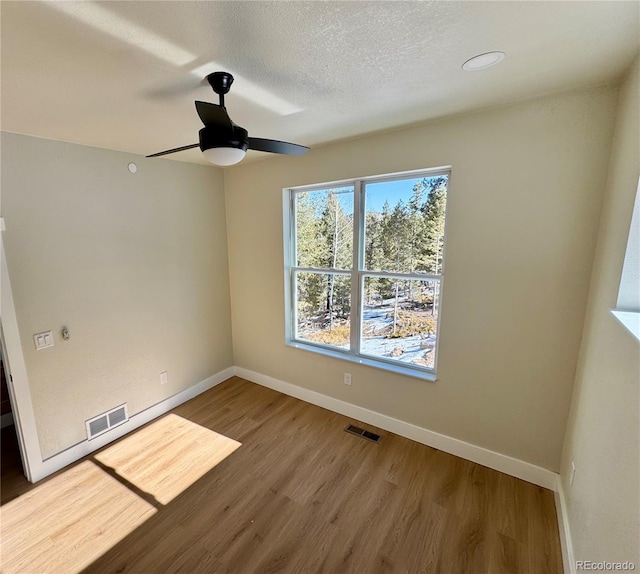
x: 124, y: 75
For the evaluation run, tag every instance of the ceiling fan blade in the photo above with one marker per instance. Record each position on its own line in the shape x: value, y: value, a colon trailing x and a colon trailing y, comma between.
x: 167, y: 152
x: 213, y: 115
x: 275, y: 146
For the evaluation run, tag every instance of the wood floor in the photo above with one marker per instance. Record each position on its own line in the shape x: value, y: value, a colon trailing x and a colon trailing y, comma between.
x: 298, y: 495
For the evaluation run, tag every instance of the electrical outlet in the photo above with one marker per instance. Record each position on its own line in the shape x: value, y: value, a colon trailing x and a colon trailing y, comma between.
x: 347, y: 378
x: 164, y: 377
x: 572, y: 474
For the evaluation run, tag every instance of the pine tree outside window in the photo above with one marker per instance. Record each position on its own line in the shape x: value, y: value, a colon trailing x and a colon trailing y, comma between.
x: 364, y: 265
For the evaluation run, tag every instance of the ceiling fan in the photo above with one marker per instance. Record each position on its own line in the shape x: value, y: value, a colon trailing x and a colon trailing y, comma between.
x: 222, y: 142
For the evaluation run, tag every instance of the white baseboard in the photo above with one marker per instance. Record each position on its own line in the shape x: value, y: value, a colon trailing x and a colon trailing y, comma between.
x: 497, y: 461
x: 76, y: 452
x: 6, y: 420
x: 568, y: 560
x: 485, y: 457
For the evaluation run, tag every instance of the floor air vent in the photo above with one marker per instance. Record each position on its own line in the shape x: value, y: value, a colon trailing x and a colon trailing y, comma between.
x: 363, y: 433
x: 106, y: 421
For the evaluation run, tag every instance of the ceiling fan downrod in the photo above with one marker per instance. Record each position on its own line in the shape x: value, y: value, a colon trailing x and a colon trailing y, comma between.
x: 221, y: 84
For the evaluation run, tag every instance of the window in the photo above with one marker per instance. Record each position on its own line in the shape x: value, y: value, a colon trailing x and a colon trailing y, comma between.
x: 628, y: 305
x: 364, y: 264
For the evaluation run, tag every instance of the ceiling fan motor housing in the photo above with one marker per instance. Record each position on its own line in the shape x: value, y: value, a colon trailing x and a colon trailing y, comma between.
x: 211, y: 137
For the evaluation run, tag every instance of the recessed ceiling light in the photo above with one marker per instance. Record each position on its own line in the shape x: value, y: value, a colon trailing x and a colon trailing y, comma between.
x: 483, y: 61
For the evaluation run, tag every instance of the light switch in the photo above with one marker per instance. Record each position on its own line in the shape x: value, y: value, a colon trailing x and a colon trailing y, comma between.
x: 43, y: 340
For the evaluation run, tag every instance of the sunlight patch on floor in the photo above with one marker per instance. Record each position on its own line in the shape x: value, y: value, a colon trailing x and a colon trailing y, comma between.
x: 167, y: 456
x: 65, y: 524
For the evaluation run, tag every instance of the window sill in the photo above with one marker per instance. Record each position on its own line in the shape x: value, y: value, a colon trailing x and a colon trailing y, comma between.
x: 630, y: 319
x: 368, y: 362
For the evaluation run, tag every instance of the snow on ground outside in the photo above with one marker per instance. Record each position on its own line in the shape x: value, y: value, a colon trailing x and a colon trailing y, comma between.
x: 376, y: 318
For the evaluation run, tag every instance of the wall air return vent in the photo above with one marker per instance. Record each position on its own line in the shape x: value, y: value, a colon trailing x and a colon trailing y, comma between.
x: 106, y: 421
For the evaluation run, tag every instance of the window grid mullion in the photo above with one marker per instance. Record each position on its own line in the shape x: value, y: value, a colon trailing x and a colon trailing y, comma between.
x: 322, y: 270
x: 356, y: 303
x: 293, y: 261
x: 403, y: 276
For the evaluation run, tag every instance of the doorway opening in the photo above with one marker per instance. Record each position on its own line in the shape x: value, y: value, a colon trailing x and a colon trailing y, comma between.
x: 12, y: 475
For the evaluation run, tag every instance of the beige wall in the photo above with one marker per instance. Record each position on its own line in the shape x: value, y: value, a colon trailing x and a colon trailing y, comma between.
x: 134, y: 265
x: 604, y: 428
x: 524, y: 204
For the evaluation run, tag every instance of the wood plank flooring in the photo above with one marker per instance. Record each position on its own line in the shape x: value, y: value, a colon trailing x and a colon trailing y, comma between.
x: 299, y: 495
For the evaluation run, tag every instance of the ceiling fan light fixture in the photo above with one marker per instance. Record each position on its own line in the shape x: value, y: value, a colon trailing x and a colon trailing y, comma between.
x: 226, y: 147
x: 224, y: 156
x: 483, y: 61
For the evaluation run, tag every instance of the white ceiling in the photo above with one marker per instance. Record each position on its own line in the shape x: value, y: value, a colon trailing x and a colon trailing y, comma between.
x: 120, y: 75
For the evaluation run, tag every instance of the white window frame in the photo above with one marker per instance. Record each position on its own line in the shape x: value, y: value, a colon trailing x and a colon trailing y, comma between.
x: 357, y: 274
x: 627, y: 309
